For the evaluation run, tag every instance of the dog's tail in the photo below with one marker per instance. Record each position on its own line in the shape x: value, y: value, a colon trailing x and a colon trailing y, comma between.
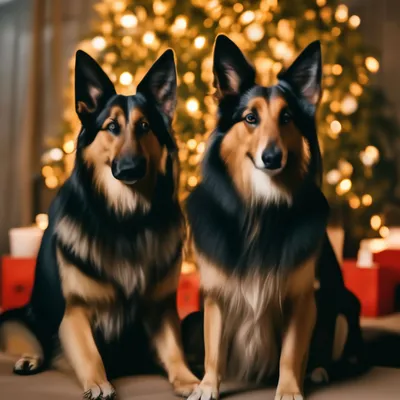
x: 18, y: 326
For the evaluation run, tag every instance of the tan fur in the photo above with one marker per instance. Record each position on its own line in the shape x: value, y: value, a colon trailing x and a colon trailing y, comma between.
x: 76, y: 337
x: 76, y: 284
x: 258, y: 312
x: 106, y: 147
x: 253, y: 184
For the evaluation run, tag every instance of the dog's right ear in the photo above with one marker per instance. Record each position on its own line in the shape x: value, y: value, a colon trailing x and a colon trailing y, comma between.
x: 93, y: 88
x: 233, y: 74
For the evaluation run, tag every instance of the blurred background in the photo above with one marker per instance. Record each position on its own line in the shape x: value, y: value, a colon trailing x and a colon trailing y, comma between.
x: 357, y: 121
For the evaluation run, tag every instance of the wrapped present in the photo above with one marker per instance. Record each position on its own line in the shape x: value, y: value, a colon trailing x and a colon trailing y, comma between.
x: 188, y: 298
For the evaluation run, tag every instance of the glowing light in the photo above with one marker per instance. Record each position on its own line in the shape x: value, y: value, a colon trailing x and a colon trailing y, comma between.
x: 192, y: 181
x: 99, y: 43
x: 148, y: 38
x: 333, y: 176
x: 188, y: 268
x: 192, y: 105
x: 310, y: 15
x: 159, y: 8
x: 119, y: 6
x: 47, y: 171
x: 356, y: 89
x: 42, y: 221
x: 199, y: 42
x: 51, y: 182
x: 201, y: 147
x: 349, y: 105
x: 321, y: 3
x: 345, y: 168
x: 126, y: 78
x: 342, y: 13
x: 181, y: 23
x: 56, y: 154
x: 384, y: 231
x: 354, y: 21
x: 354, y: 202
x: 336, y: 31
x: 369, y: 156
x: 238, y: 8
x: 127, y: 40
x: 69, y: 146
x: 376, y: 222
x: 337, y: 69
x: 345, y: 185
x: 366, y: 200
x: 247, y: 17
x: 191, y: 144
x: 255, y: 32
x: 336, y: 127
x: 372, y: 64
x: 188, y: 78
x: 128, y: 21
x: 335, y: 106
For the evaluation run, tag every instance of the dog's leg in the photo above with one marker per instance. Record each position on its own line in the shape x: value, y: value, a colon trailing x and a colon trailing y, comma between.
x: 80, y: 348
x: 295, y: 347
x: 165, y: 333
x: 209, y: 386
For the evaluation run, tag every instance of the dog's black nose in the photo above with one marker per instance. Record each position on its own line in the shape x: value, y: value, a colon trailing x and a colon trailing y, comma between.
x: 272, y: 157
x: 129, y: 169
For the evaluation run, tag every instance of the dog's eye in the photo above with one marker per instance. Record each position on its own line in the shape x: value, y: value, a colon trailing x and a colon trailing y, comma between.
x: 251, y: 119
x: 285, y: 117
x: 144, y: 126
x: 113, y: 127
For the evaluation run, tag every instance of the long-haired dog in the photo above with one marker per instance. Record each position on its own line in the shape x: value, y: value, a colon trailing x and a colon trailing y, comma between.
x: 109, y: 262
x: 258, y: 220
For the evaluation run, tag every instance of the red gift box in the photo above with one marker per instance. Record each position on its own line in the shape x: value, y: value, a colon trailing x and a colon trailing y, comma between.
x: 373, y: 286
x: 390, y: 258
x: 17, y: 277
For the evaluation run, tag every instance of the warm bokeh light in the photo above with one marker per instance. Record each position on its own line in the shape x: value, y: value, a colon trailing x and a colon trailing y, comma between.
x: 51, y: 182
x: 384, y: 231
x: 367, y: 200
x: 129, y: 21
x: 42, y: 221
x: 247, y: 17
x: 354, y: 202
x: 342, y: 13
x: 372, y: 64
x: 192, y: 105
x: 192, y: 181
x: 199, y: 42
x: 336, y: 127
x: 191, y: 144
x: 99, y: 43
x: 69, y: 146
x: 333, y: 176
x: 56, y: 154
x: 354, y: 21
x: 376, y: 222
x: 126, y: 78
x: 343, y: 187
x: 148, y: 38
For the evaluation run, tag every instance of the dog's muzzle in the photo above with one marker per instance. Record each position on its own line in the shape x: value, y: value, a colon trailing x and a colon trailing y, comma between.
x: 129, y: 169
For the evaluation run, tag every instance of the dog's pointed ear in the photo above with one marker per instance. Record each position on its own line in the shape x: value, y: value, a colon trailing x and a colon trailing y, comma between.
x: 233, y: 74
x: 160, y: 83
x: 93, y: 88
x: 305, y: 74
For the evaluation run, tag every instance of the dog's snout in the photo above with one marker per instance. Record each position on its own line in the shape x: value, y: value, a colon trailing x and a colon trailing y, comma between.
x: 129, y: 169
x: 272, y: 157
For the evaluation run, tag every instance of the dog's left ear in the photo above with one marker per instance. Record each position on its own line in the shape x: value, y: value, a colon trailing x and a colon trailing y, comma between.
x: 305, y: 74
x: 93, y: 88
x: 160, y: 84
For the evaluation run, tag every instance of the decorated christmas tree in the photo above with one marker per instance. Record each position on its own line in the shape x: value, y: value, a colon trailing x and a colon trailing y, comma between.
x: 352, y: 121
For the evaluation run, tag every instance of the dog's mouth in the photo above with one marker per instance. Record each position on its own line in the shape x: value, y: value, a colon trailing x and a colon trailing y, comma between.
x: 129, y: 170
x: 270, y: 172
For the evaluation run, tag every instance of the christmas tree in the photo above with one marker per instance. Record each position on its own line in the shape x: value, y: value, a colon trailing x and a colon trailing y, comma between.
x: 352, y: 121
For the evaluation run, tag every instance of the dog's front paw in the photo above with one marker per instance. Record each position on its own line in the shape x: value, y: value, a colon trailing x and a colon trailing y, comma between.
x: 205, y: 391
x: 182, y: 380
x: 28, y: 365
x: 289, y: 396
x: 103, y: 391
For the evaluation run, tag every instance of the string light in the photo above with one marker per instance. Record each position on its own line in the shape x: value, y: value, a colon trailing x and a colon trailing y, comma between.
x: 349, y: 105
x: 159, y: 8
x: 119, y: 6
x: 69, y: 146
x: 255, y: 32
x: 356, y: 89
x: 47, y: 171
x: 354, y: 21
x: 247, y: 17
x: 181, y: 23
x: 188, y: 78
x: 51, y: 182
x: 345, y: 168
x: 192, y: 105
x: 129, y: 21
x: 354, y: 202
x: 336, y: 127
x: 191, y: 144
x: 148, y: 38
x: 344, y: 186
x: 126, y: 78
x: 199, y: 42
x: 201, y: 147
x: 99, y: 43
x: 333, y: 176
x: 369, y: 156
x: 376, y: 222
x: 337, y: 69
x: 384, y: 231
x: 321, y: 3
x: 238, y: 8
x: 342, y: 13
x: 56, y: 154
x: 366, y: 200
x: 372, y: 64
x: 192, y: 181
x: 42, y: 221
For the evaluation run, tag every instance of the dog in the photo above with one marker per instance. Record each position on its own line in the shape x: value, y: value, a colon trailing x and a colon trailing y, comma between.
x: 258, y: 220
x: 109, y: 262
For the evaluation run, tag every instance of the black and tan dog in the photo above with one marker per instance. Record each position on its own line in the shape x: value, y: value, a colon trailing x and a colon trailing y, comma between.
x: 258, y: 220
x: 109, y: 262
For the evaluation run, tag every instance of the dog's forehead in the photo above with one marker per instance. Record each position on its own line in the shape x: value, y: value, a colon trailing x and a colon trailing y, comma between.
x: 129, y: 105
x: 263, y: 97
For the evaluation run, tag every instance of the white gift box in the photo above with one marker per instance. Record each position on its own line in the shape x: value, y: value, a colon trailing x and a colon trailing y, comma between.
x: 25, y: 241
